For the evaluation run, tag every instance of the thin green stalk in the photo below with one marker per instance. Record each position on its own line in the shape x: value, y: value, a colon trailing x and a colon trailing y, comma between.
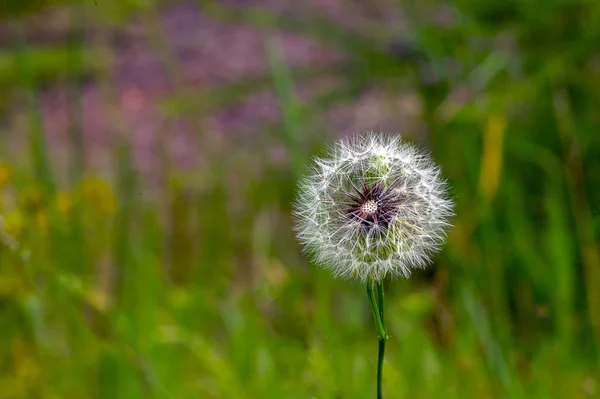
x: 75, y: 68
x: 381, y: 351
x: 27, y: 80
x: 378, y: 314
x: 291, y: 109
x: 380, y: 355
x: 380, y: 302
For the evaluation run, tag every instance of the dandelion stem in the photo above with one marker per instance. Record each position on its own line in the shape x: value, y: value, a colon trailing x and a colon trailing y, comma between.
x: 380, y: 303
x: 380, y: 355
x: 381, y: 351
x: 378, y: 314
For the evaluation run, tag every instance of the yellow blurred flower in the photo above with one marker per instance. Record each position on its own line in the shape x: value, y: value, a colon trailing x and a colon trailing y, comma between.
x: 34, y: 207
x: 97, y: 193
x: 26, y: 367
x: 12, y: 223
x: 491, y: 159
x: 64, y: 203
x: 41, y: 219
x: 4, y: 174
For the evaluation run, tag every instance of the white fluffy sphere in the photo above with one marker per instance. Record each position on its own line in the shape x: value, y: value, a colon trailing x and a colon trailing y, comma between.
x: 375, y: 206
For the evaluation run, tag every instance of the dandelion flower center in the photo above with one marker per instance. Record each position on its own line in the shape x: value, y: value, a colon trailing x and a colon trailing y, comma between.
x: 372, y: 207
x: 369, y: 207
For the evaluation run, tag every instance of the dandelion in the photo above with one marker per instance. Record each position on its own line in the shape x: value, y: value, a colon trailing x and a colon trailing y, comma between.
x: 374, y: 207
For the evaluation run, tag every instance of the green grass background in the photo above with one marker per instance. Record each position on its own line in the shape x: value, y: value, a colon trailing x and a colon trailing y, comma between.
x: 198, y: 289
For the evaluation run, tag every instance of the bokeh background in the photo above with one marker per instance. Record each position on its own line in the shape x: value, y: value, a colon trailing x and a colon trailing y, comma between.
x: 149, y: 152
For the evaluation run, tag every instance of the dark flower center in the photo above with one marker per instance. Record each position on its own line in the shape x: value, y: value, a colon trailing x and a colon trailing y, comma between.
x: 373, y: 206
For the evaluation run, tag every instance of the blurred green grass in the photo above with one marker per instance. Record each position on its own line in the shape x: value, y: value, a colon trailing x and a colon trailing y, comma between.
x: 198, y: 289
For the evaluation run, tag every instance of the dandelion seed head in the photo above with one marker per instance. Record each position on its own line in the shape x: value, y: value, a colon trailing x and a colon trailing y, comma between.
x: 374, y: 206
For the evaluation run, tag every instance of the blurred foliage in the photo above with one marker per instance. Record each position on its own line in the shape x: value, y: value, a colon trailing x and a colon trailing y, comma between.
x: 199, y: 289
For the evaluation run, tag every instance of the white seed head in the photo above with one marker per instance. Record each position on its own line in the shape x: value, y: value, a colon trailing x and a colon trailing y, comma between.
x: 374, y: 206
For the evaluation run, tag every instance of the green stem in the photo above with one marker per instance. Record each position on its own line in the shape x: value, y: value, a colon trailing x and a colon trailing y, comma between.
x: 380, y: 355
x: 381, y: 351
x: 380, y: 302
x: 378, y: 314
